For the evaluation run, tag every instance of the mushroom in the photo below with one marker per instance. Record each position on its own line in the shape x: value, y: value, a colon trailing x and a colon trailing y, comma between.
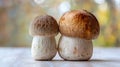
x: 77, y: 28
x: 43, y: 29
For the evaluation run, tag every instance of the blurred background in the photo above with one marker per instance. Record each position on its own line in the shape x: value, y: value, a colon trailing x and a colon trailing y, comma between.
x: 16, y: 15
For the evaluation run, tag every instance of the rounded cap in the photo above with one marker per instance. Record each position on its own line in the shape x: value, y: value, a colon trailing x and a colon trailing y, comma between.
x: 44, y: 25
x: 79, y: 23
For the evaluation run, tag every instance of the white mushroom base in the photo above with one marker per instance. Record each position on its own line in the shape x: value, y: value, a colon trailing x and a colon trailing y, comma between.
x: 43, y: 48
x: 71, y: 48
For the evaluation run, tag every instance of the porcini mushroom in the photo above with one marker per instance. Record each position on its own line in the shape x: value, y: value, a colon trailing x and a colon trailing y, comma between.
x: 77, y: 28
x: 43, y: 29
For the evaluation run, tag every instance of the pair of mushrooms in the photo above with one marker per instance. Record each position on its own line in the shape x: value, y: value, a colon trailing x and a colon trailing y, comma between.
x: 77, y: 28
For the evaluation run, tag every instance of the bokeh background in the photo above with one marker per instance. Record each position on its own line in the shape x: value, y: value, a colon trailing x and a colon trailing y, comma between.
x: 16, y: 15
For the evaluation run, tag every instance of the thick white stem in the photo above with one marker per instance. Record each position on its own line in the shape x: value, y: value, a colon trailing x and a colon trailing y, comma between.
x: 43, y: 48
x: 71, y: 48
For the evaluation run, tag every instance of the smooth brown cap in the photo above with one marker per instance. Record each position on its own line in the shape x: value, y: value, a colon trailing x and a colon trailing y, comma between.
x: 44, y: 25
x: 79, y: 23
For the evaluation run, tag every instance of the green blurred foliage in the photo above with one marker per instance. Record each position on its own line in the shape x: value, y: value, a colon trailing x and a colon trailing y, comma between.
x: 16, y: 15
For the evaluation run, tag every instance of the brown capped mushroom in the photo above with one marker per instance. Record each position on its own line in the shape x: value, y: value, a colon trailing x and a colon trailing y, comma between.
x: 78, y: 28
x: 43, y: 29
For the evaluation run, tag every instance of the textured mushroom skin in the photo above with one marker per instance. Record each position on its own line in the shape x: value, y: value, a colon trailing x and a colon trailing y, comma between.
x: 71, y: 48
x: 43, y: 48
x: 79, y: 23
x: 44, y: 25
x: 43, y: 29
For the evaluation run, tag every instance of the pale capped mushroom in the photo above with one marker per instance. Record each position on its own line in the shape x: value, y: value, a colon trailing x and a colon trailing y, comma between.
x: 43, y: 29
x: 77, y: 28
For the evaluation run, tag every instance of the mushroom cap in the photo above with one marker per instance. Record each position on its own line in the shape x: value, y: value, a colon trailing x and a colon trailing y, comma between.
x: 44, y: 25
x: 79, y: 23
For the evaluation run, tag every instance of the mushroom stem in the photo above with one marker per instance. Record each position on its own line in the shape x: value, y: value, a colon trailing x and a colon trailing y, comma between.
x: 71, y: 48
x: 43, y: 48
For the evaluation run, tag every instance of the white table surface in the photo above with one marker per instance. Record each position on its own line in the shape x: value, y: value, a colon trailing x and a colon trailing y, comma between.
x: 21, y: 57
